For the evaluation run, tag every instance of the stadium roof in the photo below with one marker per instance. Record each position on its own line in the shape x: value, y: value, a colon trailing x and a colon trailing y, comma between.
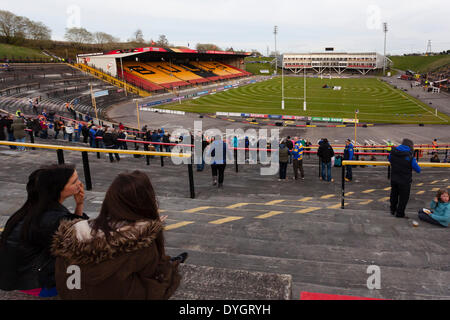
x: 130, y: 52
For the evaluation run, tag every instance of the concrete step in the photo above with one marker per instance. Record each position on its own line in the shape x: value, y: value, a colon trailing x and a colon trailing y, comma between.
x: 288, y: 243
x: 214, y: 283
x: 350, y: 276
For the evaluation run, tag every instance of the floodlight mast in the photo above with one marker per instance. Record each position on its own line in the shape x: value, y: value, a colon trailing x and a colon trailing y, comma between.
x: 304, y: 87
x: 275, y: 32
x: 385, y: 30
x: 282, y: 84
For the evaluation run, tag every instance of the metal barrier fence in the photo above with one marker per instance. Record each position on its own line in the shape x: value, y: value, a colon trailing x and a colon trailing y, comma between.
x: 379, y: 163
x: 84, y: 153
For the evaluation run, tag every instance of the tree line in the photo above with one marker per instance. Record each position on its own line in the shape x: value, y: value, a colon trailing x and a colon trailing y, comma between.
x: 16, y: 29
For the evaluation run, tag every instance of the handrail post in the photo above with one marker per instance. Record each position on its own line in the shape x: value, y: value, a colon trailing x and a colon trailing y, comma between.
x: 87, y: 171
x: 236, y: 160
x: 147, y: 157
x: 191, y: 181
x: 60, y: 154
x: 320, y: 167
x: 96, y: 145
x: 343, y: 186
x: 32, y: 138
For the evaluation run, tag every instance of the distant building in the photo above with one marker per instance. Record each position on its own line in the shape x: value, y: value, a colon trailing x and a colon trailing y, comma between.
x: 333, y: 62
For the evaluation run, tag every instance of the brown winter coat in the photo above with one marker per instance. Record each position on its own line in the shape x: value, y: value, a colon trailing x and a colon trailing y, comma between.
x: 128, y: 267
x: 19, y: 126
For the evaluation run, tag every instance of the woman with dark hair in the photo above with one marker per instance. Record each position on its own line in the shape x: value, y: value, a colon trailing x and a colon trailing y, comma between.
x: 120, y: 254
x: 441, y: 210
x: 25, y: 259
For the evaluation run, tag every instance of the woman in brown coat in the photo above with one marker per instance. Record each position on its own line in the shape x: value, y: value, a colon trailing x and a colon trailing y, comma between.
x: 120, y: 254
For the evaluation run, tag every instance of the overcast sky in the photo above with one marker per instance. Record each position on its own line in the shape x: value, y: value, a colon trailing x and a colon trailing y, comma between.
x: 303, y: 26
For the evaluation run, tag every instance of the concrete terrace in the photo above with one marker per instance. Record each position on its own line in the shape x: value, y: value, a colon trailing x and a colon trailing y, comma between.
x: 256, y: 224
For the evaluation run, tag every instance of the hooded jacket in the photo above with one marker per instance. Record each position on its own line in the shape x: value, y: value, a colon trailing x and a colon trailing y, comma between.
x: 18, y: 127
x: 25, y: 266
x: 402, y: 163
x: 325, y: 152
x: 283, y: 153
x: 129, y: 266
x: 441, y: 212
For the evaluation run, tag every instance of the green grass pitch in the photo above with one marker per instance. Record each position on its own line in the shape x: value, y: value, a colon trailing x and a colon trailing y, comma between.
x: 376, y: 101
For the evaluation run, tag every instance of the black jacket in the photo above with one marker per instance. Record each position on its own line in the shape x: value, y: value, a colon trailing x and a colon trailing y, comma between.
x: 325, y: 152
x: 25, y: 266
x: 402, y: 163
x: 109, y: 139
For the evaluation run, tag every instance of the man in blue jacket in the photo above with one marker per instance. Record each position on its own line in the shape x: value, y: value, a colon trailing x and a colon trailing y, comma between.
x: 348, y: 155
x: 402, y: 163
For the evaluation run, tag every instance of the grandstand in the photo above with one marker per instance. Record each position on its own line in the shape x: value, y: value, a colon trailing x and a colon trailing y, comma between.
x: 55, y: 84
x: 162, y: 69
x: 333, y: 62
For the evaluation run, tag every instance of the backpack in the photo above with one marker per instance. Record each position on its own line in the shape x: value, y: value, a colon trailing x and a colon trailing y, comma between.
x: 338, y: 161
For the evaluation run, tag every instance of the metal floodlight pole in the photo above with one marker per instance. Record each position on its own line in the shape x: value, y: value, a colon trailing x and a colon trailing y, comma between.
x: 275, y: 31
x: 385, y: 30
x: 304, y: 88
x: 282, y: 86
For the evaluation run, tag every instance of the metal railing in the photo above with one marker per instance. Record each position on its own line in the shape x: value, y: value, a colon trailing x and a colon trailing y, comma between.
x: 84, y: 153
x: 380, y: 163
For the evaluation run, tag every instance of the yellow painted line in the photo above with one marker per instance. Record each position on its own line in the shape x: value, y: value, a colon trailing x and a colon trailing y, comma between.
x: 194, y: 210
x: 349, y: 193
x: 368, y: 191
x: 335, y: 206
x: 341, y: 126
x: 384, y: 198
x: 420, y: 192
x: 237, y: 205
x: 328, y: 196
x: 224, y: 220
x: 269, y: 214
x: 387, y: 189
x: 366, y: 202
x: 177, y: 225
x: 231, y: 120
x: 305, y: 199
x: 435, y: 189
x: 271, y: 203
x: 309, y: 209
x: 419, y: 184
x: 311, y: 126
x: 435, y: 181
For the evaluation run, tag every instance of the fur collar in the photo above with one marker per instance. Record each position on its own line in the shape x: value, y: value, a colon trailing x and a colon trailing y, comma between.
x: 75, y: 243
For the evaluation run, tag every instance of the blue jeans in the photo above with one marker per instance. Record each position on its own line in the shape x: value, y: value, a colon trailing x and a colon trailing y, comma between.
x: 11, y: 138
x: 348, y: 173
x: 77, y: 136
x: 326, y: 177
x: 283, y: 169
x: 201, y: 166
x: 20, y: 148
